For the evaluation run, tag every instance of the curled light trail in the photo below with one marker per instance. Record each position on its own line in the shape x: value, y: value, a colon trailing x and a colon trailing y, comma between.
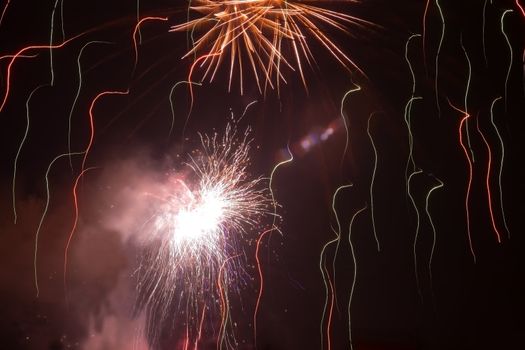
x: 257, y: 30
x: 200, y: 223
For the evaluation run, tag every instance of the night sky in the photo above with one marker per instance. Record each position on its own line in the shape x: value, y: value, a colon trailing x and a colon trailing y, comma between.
x: 461, y: 304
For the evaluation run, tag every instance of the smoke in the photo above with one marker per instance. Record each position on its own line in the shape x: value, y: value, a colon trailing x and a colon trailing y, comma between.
x: 94, y: 309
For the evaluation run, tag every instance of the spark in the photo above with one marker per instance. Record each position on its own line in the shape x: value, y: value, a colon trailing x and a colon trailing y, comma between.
x: 199, y: 223
x: 258, y: 28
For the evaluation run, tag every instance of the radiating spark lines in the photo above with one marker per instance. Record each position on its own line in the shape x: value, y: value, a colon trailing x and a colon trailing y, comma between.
x: 258, y: 28
x: 200, y: 221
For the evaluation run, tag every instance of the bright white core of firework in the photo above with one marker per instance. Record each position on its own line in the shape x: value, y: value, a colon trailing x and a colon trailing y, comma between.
x: 202, y: 220
x: 189, y: 218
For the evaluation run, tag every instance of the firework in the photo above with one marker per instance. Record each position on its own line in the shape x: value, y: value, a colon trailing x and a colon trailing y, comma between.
x: 196, y: 236
x: 257, y: 31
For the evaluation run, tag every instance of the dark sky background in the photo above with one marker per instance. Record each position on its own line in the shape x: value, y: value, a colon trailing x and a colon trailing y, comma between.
x: 465, y: 305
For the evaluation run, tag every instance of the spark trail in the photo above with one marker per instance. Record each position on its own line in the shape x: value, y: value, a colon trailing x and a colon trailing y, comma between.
x: 502, y: 160
x: 372, y: 180
x: 470, y: 176
x: 77, y: 95
x: 355, y: 273
x: 18, y: 152
x: 345, y: 122
x: 467, y: 90
x: 441, y: 38
x: 487, y: 182
x: 44, y: 213
x: 431, y: 221
x: 510, y: 54
x: 328, y: 282
x: 414, y: 205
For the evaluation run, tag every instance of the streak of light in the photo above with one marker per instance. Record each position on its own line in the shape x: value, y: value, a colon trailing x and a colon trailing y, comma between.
x: 73, y: 227
x: 355, y: 273
x: 343, y: 117
x: 329, y: 285
x: 510, y: 54
x: 434, y: 233
x: 18, y: 152
x: 502, y: 160
x: 441, y: 38
x: 414, y: 205
x: 372, y: 212
x: 470, y: 176
x: 92, y: 121
x: 43, y: 216
x: 467, y: 90
x: 77, y: 95
x: 487, y: 182
x: 20, y: 54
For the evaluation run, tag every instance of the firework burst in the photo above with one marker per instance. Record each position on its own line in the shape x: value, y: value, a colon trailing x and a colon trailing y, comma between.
x: 196, y: 236
x: 256, y: 31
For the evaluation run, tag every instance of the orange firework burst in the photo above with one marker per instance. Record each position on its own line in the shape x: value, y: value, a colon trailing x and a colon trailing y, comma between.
x: 256, y: 30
